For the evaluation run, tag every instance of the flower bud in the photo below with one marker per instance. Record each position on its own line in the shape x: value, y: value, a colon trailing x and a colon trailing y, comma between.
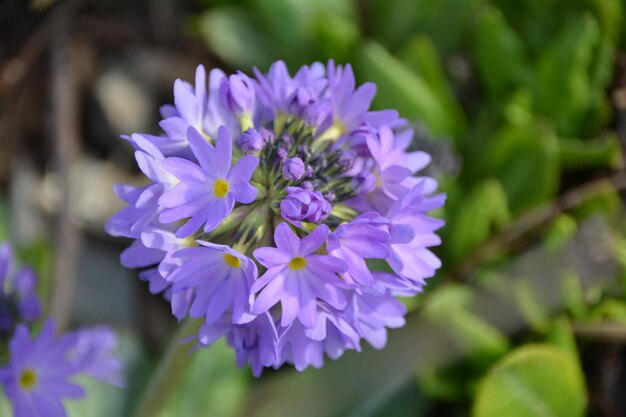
x: 346, y: 159
x: 293, y: 169
x: 251, y: 140
x: 283, y: 153
x: 307, y: 185
x: 237, y: 94
x: 267, y: 135
x: 287, y: 140
x: 301, y: 204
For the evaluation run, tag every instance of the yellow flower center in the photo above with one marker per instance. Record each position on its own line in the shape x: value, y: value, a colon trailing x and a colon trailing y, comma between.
x: 220, y: 187
x: 297, y: 263
x: 231, y: 260
x: 28, y: 379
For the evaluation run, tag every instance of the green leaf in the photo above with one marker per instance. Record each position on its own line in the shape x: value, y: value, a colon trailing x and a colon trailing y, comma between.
x: 404, y: 90
x: 233, y: 35
x: 525, y: 160
x: 420, y: 55
x: 609, y: 310
x: 532, y: 310
x: 533, y: 381
x: 560, y: 232
x: 603, y: 152
x: 292, y: 21
x: 610, y: 15
x: 336, y: 36
x: 482, y: 211
x: 448, y: 306
x: 480, y: 343
x: 101, y: 400
x: 563, y: 88
x: 561, y: 335
x: 501, y: 59
x: 518, y: 109
x: 392, y: 21
x: 574, y: 295
x: 606, y: 201
x: 4, y: 221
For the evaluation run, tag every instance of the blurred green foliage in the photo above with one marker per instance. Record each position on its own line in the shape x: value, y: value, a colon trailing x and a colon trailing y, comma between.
x: 520, y: 90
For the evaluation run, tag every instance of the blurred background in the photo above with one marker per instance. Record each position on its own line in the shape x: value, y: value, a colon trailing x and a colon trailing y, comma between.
x: 522, y: 104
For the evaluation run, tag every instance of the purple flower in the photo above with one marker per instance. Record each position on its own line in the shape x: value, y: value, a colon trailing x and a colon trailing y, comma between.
x: 277, y: 91
x: 318, y: 114
x: 297, y: 348
x: 39, y: 373
x: 297, y: 277
x: 412, y: 233
x: 25, y: 288
x: 195, y: 108
x: 6, y: 261
x: 93, y: 354
x: 365, y: 237
x: 301, y: 204
x: 18, y: 296
x: 143, y: 208
x: 393, y: 171
x: 208, y: 191
x: 336, y: 331
x: 255, y: 344
x: 293, y: 169
x: 350, y: 106
x: 227, y: 288
x: 376, y: 313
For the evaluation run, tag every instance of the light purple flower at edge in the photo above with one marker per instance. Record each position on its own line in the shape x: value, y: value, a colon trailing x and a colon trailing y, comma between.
x: 39, y: 373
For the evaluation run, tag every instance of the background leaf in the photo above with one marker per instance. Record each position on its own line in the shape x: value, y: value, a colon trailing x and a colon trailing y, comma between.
x: 533, y: 381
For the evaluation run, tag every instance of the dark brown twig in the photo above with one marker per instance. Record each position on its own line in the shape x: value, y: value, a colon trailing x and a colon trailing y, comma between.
x: 605, y: 331
x: 65, y: 96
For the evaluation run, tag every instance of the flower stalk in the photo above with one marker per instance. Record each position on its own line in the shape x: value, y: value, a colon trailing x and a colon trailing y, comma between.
x: 169, y: 373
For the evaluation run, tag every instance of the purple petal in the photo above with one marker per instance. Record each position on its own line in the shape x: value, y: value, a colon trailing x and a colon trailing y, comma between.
x: 314, y: 240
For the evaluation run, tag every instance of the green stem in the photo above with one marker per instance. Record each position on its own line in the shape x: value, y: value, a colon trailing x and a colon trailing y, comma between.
x: 168, y: 375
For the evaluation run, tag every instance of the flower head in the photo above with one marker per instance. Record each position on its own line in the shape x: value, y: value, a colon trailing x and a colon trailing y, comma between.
x: 267, y: 199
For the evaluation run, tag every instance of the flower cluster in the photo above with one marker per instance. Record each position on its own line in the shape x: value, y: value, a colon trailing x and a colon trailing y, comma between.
x: 36, y: 372
x: 267, y: 199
